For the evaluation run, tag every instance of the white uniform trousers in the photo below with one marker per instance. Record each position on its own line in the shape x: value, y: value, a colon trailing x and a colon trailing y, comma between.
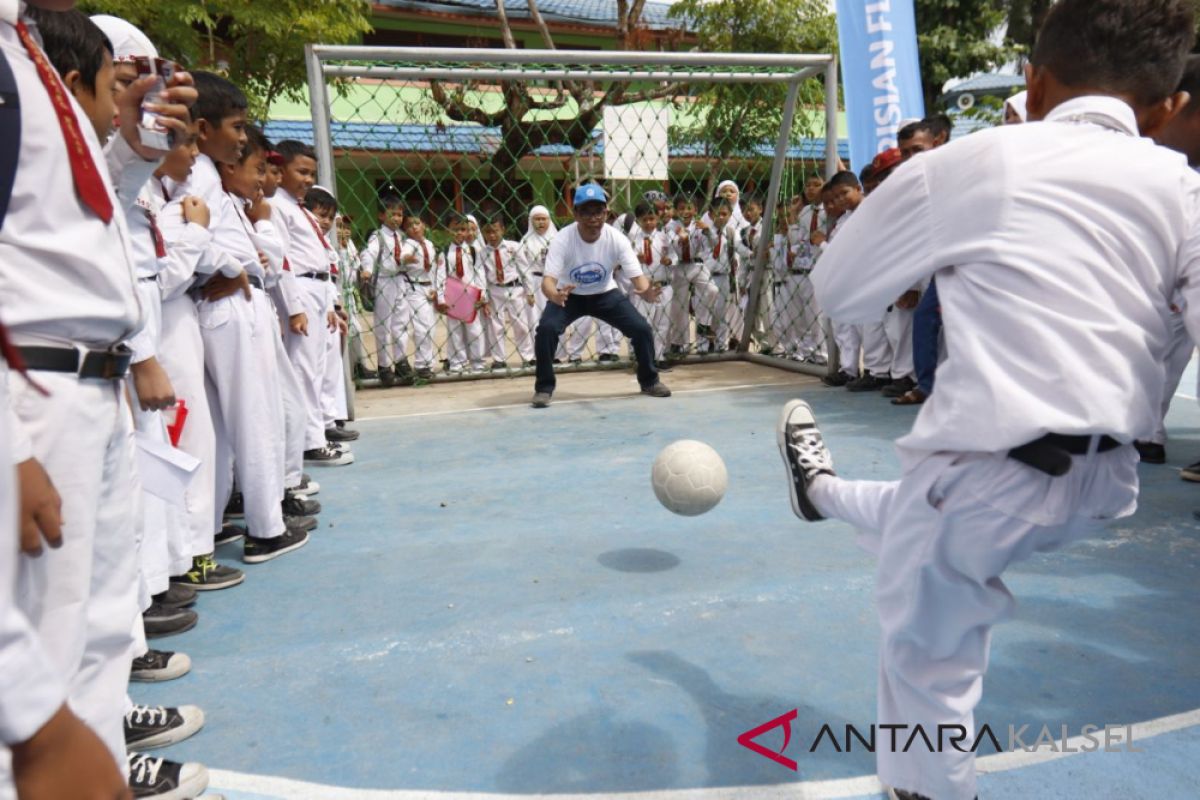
x: 1179, y: 353
x: 944, y: 533
x: 295, y: 417
x: 720, y: 310
x: 247, y: 407
x: 82, y: 599
x: 509, y: 303
x: 688, y: 280
x: 897, y: 326
x: 181, y: 353
x: 849, y: 341
x: 399, y: 307
x: 333, y: 382
x: 539, y: 303
x: 467, y: 343
x: 309, y: 355
x: 801, y: 333
x: 877, y: 352
x: 659, y: 316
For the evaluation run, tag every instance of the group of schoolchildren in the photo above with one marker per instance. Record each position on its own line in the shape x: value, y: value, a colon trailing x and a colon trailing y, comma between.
x: 171, y: 308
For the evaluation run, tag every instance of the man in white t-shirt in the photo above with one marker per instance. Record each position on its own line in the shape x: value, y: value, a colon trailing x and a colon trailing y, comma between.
x: 579, y: 283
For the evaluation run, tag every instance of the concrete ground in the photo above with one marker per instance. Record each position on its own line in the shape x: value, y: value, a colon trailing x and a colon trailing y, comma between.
x: 496, y: 606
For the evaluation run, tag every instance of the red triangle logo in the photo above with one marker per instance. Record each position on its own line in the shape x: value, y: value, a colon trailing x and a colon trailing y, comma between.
x: 747, y: 739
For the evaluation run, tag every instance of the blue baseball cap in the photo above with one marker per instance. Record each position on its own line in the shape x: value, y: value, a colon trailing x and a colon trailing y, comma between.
x: 590, y: 193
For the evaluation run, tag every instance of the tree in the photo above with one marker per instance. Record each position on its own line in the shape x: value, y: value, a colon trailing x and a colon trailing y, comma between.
x: 259, y: 44
x: 957, y: 38
x: 740, y: 118
x: 1024, y: 19
x: 531, y: 116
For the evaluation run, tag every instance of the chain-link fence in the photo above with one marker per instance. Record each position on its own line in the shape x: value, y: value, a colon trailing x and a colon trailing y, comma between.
x: 454, y: 168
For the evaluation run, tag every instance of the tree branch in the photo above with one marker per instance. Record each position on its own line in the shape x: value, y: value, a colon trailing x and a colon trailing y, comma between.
x: 505, y: 28
x: 459, y: 110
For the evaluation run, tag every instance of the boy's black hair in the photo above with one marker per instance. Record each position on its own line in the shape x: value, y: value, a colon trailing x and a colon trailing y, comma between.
x: 939, y: 125
x: 390, y: 199
x: 843, y: 178
x: 684, y: 199
x: 456, y: 218
x: 816, y: 176
x: 290, y: 149
x: 913, y: 128
x: 866, y: 174
x: 642, y: 209
x: 485, y: 220
x: 256, y: 142
x: 411, y: 218
x: 1131, y: 47
x: 72, y: 42
x: 1190, y: 83
x: 317, y: 197
x: 751, y: 199
x: 218, y: 98
x: 719, y: 202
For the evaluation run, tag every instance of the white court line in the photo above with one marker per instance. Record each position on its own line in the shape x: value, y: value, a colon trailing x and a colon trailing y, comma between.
x: 579, y: 400
x: 808, y: 790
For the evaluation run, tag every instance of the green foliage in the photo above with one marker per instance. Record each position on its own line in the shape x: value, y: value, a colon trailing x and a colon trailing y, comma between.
x: 259, y: 45
x: 956, y: 38
x: 740, y: 118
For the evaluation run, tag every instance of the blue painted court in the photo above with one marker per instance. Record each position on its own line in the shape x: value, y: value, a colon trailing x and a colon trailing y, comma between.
x: 495, y: 604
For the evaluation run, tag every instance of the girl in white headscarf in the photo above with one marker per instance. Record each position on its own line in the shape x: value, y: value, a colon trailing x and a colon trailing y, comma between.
x: 730, y: 191
x: 531, y: 258
x: 1014, y: 109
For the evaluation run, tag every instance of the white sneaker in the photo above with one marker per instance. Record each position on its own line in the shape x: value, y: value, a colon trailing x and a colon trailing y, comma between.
x: 805, y: 454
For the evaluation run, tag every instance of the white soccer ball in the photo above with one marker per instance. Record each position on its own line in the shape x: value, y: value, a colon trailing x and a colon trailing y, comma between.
x: 689, y: 477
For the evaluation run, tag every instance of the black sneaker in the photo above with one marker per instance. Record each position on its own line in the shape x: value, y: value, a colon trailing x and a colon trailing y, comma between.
x: 327, y: 457
x: 837, y: 379
x: 259, y: 550
x: 867, y: 383
x: 148, y: 727
x: 295, y: 506
x: 899, y: 388
x: 387, y: 378
x: 663, y: 366
x: 403, y: 368
x: 160, y: 665
x: 424, y: 373
x: 206, y: 575
x: 160, y: 621
x: 804, y: 453
x: 340, y: 435
x: 657, y: 390
x: 307, y: 486
x: 228, y: 535
x: 1151, y: 453
x: 161, y: 779
x: 607, y: 357
x: 1191, y: 472
x: 176, y: 596
x: 540, y: 399
x: 300, y: 523
x: 900, y: 794
x: 364, y: 373
x: 575, y: 362
x: 236, y: 507
x: 499, y: 366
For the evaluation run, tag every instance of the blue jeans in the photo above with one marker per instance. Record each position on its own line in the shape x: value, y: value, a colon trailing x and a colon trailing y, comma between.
x: 927, y: 326
x: 612, y: 307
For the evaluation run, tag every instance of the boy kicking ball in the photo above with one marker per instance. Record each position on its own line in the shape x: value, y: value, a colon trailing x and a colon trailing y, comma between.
x: 1056, y: 337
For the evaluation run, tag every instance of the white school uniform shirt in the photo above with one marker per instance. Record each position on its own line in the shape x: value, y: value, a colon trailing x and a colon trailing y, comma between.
x: 508, y: 261
x: 380, y: 253
x: 425, y: 269
x: 782, y: 257
x: 1054, y: 276
x: 659, y: 245
x: 531, y: 257
x: 588, y: 266
x: 231, y: 248
x: 747, y: 240
x: 66, y: 276
x: 307, y: 251
x: 682, y: 255
x: 704, y: 248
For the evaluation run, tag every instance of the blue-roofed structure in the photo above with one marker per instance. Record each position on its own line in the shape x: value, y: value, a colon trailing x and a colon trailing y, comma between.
x: 577, y: 12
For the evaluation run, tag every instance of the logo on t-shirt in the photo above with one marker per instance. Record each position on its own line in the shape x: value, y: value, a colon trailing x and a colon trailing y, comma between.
x: 589, y: 273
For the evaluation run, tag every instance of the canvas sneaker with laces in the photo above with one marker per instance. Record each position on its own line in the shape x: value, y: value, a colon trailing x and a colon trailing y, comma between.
x: 295, y: 505
x: 147, y: 727
x: 161, y: 779
x: 259, y: 550
x: 206, y: 575
x: 328, y: 456
x: 159, y: 665
x: 805, y: 454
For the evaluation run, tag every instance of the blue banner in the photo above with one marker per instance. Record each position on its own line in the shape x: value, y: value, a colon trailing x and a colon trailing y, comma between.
x: 880, y: 73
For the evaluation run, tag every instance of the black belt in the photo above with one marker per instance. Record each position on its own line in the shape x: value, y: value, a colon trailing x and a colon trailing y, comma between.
x: 316, y: 276
x: 799, y: 271
x: 148, y: 279
x: 197, y: 292
x: 1052, y: 453
x: 539, y: 274
x: 508, y: 285
x: 106, y: 365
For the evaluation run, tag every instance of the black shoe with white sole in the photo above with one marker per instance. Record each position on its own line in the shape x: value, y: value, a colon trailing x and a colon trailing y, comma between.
x: 236, y: 507
x: 540, y: 399
x: 162, y: 621
x: 327, y: 456
x: 259, y: 550
x: 160, y: 665
x: 147, y: 727
x: 340, y: 434
x: 805, y: 454
x: 228, y: 535
x: 300, y: 523
x: 657, y: 390
x: 206, y: 575
x: 297, y: 506
x: 160, y: 779
x: 176, y: 596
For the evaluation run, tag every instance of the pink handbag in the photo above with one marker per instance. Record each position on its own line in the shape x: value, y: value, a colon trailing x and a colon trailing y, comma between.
x: 461, y: 299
